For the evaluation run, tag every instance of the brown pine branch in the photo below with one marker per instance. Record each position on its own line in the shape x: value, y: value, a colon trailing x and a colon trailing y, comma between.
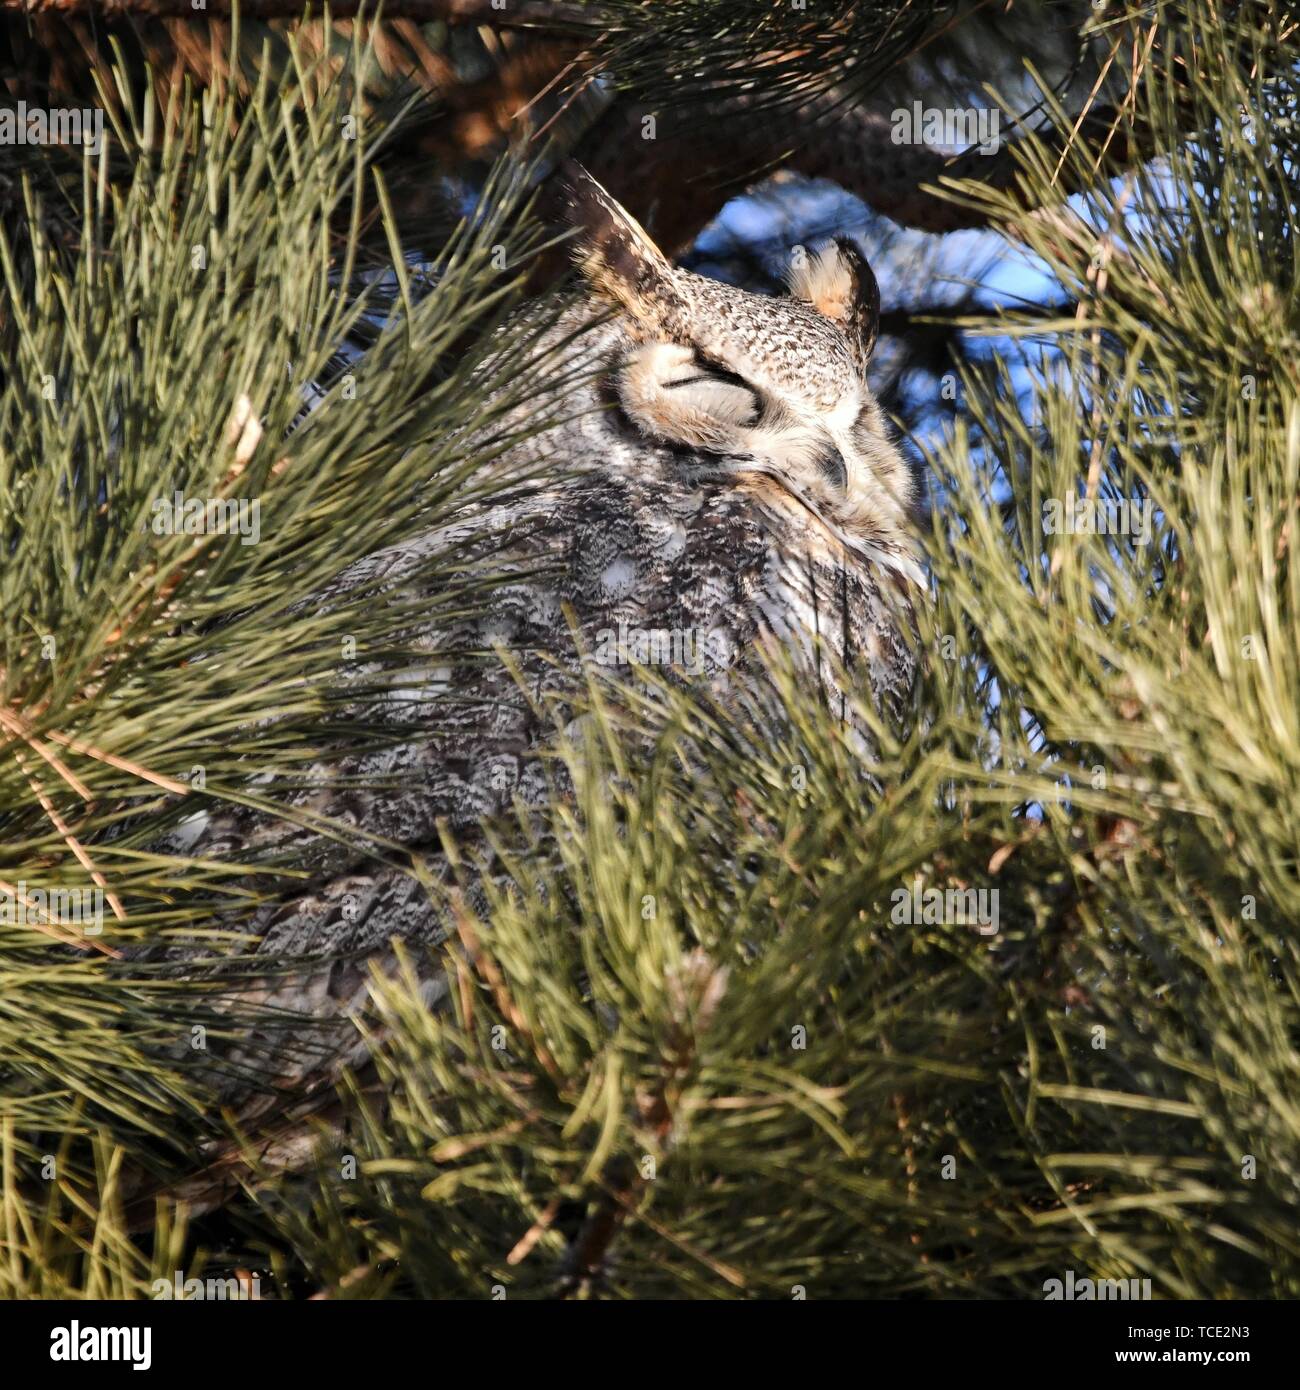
x: 511, y: 14
x: 701, y: 156
x: 728, y: 152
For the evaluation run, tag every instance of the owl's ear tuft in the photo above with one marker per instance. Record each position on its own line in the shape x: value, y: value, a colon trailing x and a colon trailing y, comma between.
x: 611, y: 249
x: 839, y: 284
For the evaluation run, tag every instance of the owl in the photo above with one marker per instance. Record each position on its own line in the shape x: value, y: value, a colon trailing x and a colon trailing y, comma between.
x: 723, y: 478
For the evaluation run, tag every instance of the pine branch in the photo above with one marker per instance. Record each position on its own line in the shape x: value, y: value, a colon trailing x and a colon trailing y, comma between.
x: 524, y: 13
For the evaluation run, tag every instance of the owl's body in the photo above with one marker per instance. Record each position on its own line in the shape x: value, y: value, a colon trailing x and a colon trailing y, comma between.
x: 716, y: 495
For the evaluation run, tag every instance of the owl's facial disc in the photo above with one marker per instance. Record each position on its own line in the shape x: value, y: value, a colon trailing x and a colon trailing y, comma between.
x: 772, y: 383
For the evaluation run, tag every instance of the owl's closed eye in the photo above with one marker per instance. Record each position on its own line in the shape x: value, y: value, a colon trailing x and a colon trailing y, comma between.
x: 672, y: 397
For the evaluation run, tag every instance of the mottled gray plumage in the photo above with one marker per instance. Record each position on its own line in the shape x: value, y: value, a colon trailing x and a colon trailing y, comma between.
x: 734, y: 480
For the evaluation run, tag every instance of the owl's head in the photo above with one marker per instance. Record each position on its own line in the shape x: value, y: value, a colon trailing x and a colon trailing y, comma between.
x: 775, y: 385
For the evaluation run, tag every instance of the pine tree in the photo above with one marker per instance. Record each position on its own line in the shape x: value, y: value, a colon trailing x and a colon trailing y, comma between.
x: 755, y: 1011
